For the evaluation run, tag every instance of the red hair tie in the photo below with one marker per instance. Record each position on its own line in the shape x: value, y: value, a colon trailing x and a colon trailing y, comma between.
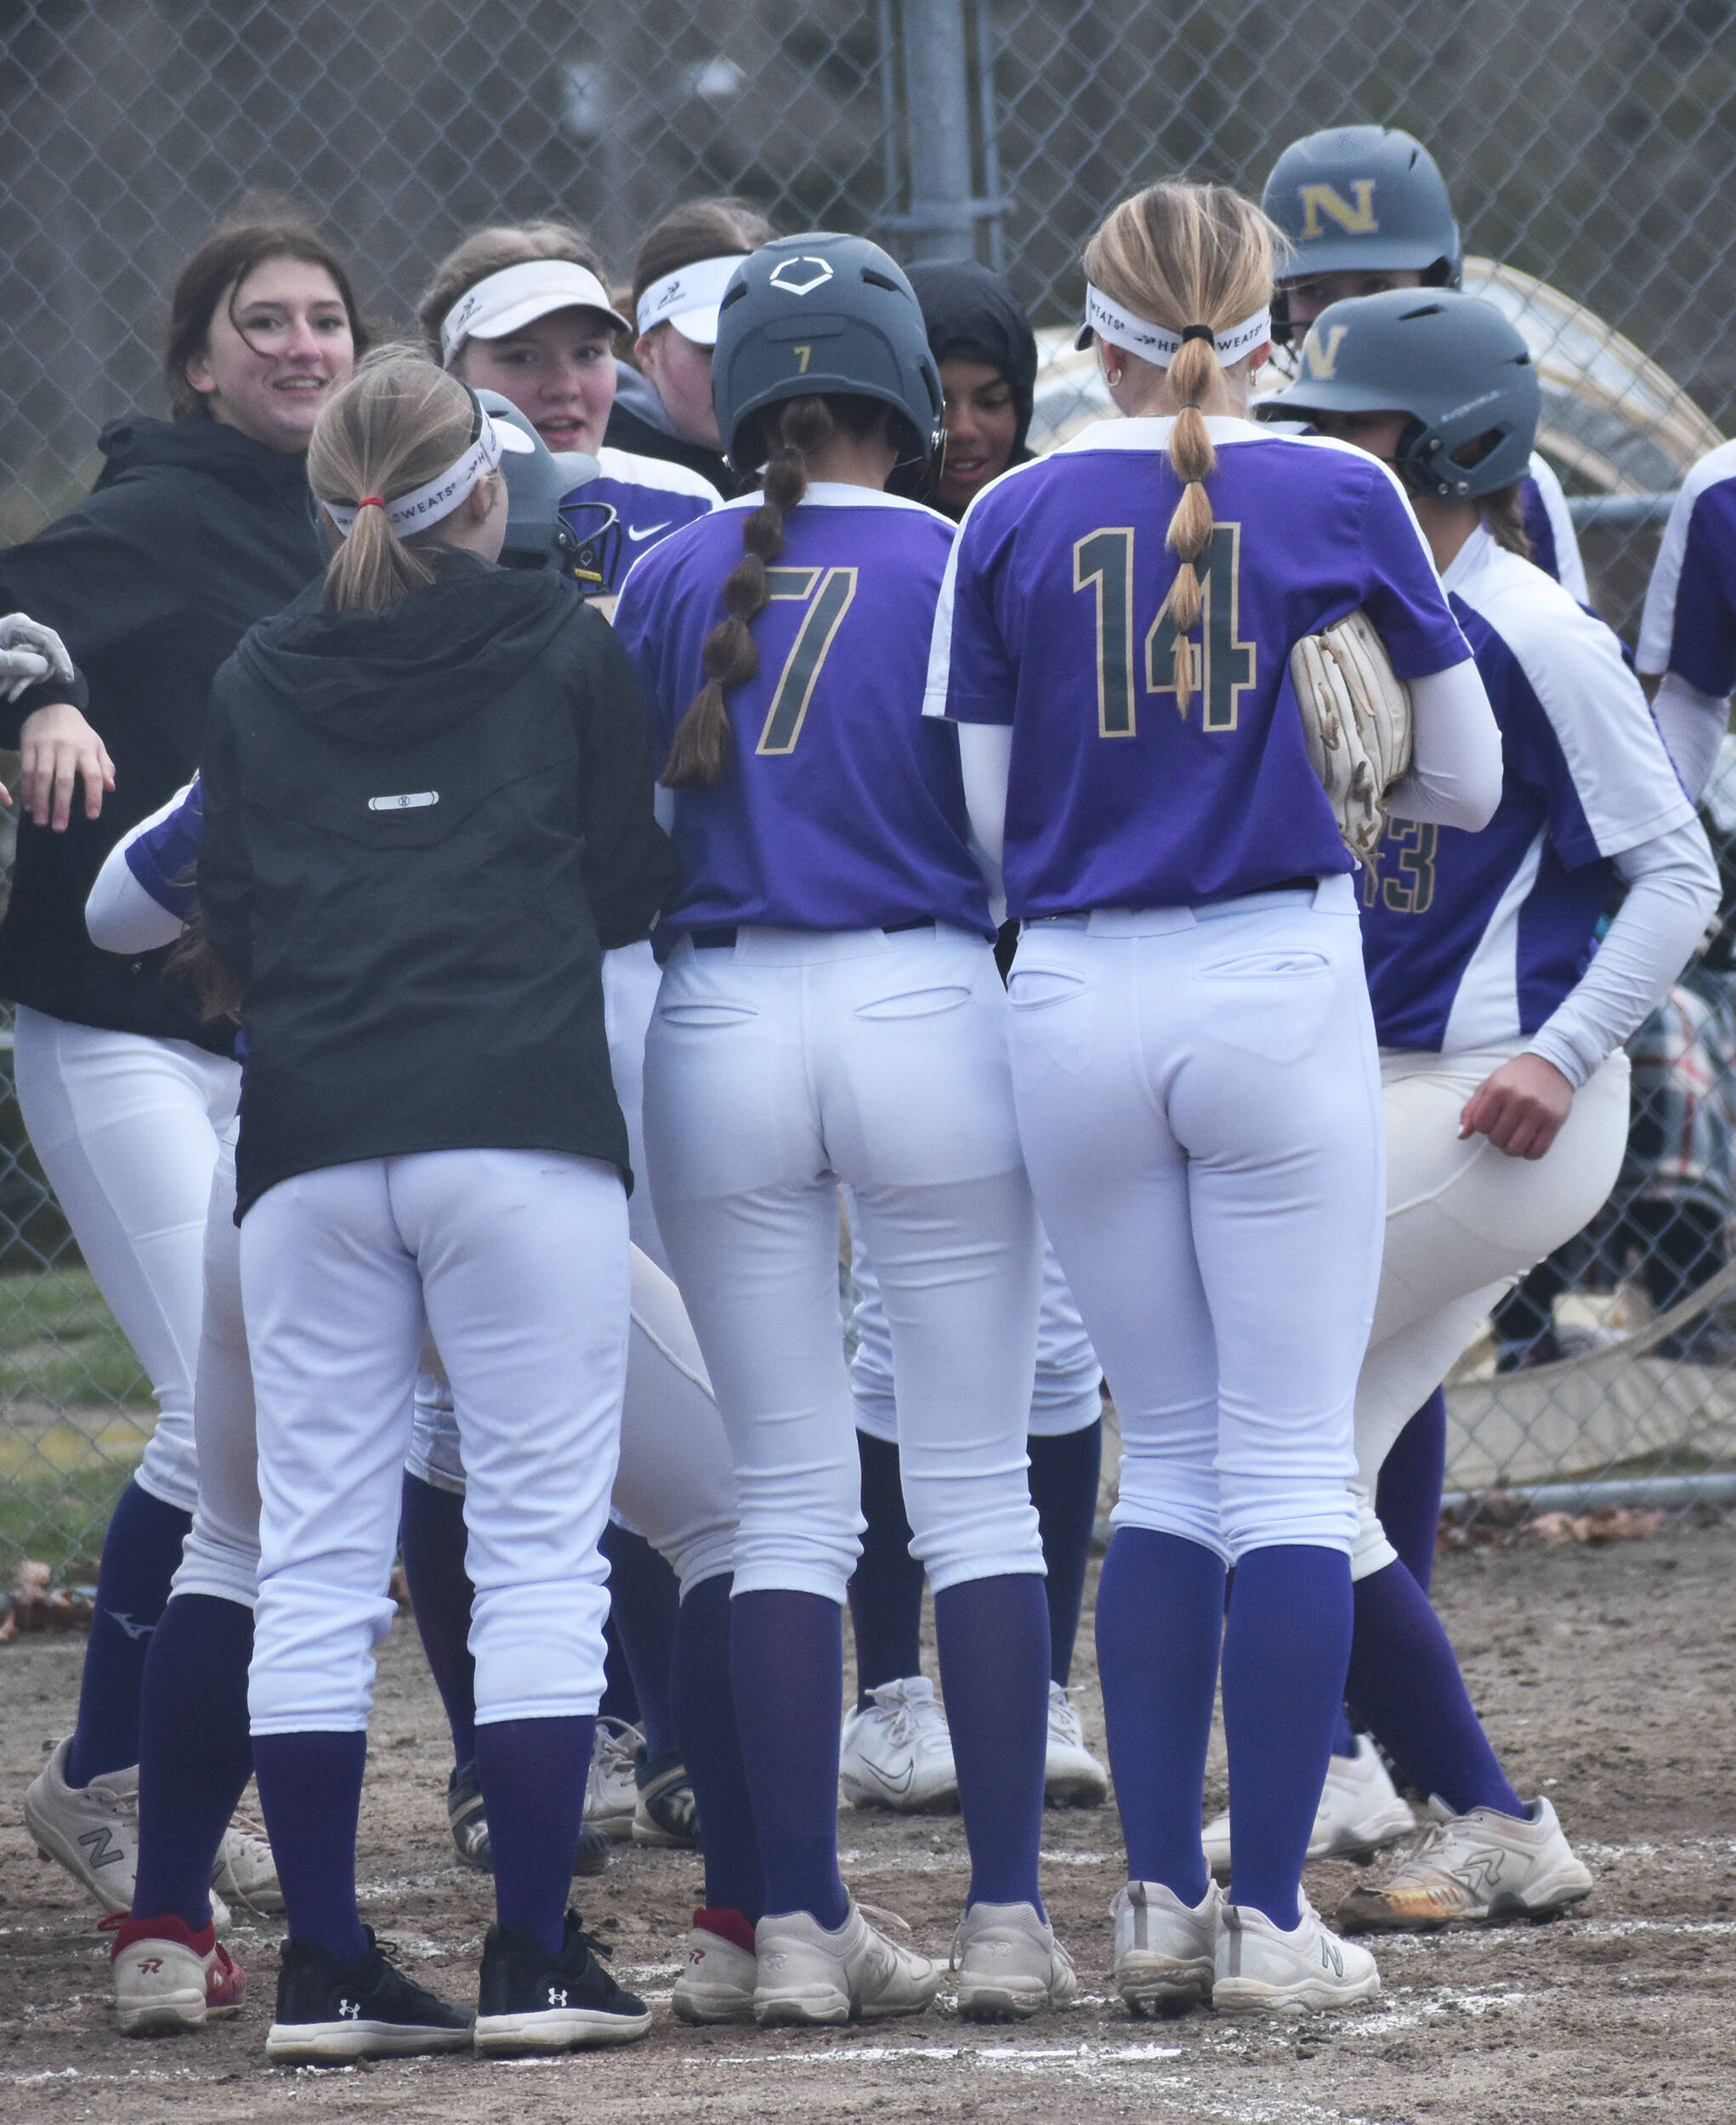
x: 371, y: 501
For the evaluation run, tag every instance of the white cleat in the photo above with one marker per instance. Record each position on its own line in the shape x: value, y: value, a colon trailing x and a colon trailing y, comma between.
x: 1165, y: 1951
x: 168, y: 1979
x: 1360, y: 1814
x: 611, y: 1785
x: 1009, y: 1964
x: 897, y: 1751
x: 717, y: 1979
x: 1072, y: 1776
x: 1475, y: 1869
x: 245, y: 1872
x: 855, y: 1973
x: 1261, y: 1969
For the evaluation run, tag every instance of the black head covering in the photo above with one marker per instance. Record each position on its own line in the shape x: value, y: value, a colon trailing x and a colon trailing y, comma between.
x: 972, y: 315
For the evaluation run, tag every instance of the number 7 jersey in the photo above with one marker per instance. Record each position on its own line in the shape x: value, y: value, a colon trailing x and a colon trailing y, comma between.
x: 1052, y: 618
x: 842, y: 808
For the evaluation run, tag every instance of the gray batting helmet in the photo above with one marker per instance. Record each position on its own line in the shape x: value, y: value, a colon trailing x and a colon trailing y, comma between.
x: 1452, y: 361
x: 820, y: 315
x: 1363, y: 199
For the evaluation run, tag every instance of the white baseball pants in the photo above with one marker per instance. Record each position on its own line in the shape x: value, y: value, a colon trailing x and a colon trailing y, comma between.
x: 517, y: 1261
x: 631, y: 978
x: 1065, y: 1396
x: 127, y: 1128
x: 1463, y: 1221
x: 1198, y: 1097
x: 777, y: 1068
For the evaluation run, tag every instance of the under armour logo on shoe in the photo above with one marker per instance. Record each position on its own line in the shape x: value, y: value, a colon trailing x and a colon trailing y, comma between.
x: 557, y: 1996
x: 98, y: 1845
x: 349, y: 2009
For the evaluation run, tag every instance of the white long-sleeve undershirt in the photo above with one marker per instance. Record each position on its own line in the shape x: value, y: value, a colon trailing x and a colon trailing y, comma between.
x: 1693, y: 725
x: 1455, y: 778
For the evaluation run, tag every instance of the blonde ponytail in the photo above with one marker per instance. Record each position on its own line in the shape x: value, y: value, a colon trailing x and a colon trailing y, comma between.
x: 397, y: 424
x: 1196, y: 259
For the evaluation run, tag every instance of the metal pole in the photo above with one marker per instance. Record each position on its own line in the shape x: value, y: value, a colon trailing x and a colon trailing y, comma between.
x: 991, y: 140
x: 937, y: 111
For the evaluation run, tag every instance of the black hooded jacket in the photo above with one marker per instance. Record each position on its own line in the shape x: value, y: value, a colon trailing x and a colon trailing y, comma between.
x: 972, y: 315
x: 638, y: 422
x: 423, y: 828
x: 192, y: 533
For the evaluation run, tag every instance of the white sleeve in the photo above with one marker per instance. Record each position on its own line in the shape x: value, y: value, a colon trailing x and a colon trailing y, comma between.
x: 1455, y: 763
x: 1672, y: 895
x: 1570, y: 567
x: 1693, y: 725
x: 120, y: 914
x: 985, y: 760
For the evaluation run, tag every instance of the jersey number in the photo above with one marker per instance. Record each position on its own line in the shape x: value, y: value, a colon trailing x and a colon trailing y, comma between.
x: 1412, y: 892
x: 828, y: 593
x: 1224, y: 665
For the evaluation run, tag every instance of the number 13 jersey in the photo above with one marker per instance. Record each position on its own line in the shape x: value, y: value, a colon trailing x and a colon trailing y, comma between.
x: 841, y: 806
x: 1051, y: 620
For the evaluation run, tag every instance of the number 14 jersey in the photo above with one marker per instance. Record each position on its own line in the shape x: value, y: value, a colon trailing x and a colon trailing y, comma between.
x: 1051, y: 619
x: 842, y: 808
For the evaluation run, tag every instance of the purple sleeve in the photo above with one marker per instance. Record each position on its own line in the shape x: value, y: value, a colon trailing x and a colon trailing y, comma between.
x: 1703, y: 645
x: 1539, y: 527
x: 982, y: 675
x: 165, y: 858
x: 1404, y: 598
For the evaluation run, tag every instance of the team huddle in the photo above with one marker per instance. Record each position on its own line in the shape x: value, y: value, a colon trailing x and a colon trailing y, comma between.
x: 519, y: 843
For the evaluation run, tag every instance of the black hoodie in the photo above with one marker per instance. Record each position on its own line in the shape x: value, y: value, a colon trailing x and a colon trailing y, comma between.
x: 972, y: 315
x: 422, y: 827
x: 193, y: 532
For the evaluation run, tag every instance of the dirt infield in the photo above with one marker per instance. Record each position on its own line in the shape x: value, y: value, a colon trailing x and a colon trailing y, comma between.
x: 1606, y: 1677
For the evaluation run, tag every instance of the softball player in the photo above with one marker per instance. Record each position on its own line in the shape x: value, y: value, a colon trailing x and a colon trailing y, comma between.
x: 1506, y: 1082
x: 483, y: 1196
x: 1193, y: 1055
x: 1364, y: 208
x: 830, y: 1012
x: 1688, y: 631
x: 198, y: 526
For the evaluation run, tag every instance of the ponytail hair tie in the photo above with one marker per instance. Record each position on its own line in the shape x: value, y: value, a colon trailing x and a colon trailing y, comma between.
x: 1197, y: 332
x: 371, y: 501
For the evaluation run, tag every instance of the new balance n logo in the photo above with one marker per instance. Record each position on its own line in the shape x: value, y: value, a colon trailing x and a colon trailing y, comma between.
x: 100, y: 1847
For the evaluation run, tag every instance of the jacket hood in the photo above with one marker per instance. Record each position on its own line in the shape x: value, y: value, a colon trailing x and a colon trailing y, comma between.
x: 972, y: 315
x: 393, y: 677
x: 140, y: 444
x: 637, y: 394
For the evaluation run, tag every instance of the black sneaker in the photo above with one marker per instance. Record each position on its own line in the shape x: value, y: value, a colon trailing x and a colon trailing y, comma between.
x: 663, y: 1809
x: 533, y: 2001
x: 329, y: 2013
x: 468, y: 1822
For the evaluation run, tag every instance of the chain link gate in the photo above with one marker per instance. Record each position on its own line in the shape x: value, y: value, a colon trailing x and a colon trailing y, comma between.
x: 1589, y: 144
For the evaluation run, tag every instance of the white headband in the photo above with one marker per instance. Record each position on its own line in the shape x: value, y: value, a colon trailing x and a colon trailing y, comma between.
x: 690, y: 298
x: 1157, y: 344
x: 426, y: 505
x: 517, y: 296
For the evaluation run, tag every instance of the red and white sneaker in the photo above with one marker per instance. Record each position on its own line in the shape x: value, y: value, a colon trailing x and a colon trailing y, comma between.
x: 717, y: 1978
x: 167, y: 1977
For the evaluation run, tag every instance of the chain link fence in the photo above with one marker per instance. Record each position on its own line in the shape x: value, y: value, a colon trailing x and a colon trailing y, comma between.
x: 1590, y: 147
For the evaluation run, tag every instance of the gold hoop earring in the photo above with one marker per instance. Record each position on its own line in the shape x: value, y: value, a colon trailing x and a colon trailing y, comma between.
x: 1112, y: 377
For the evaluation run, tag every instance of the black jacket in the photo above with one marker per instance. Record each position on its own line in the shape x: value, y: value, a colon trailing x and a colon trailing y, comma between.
x: 972, y: 315
x: 193, y: 532
x: 423, y: 828
x: 638, y: 422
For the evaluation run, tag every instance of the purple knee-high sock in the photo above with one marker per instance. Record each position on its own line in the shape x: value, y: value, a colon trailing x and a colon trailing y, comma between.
x: 710, y: 1750
x: 1160, y: 1621
x: 1408, y: 1494
x: 141, y: 1551
x: 787, y: 1658
x: 432, y: 1538
x: 886, y: 1593
x: 1405, y: 1680
x: 195, y: 1753
x: 311, y: 1796
x: 644, y: 1599
x: 1286, y: 1648
x: 1064, y: 1474
x: 533, y: 1788
x: 994, y: 1641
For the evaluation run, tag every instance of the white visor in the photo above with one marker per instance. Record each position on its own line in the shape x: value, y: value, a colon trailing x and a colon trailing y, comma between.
x: 423, y: 505
x: 517, y: 296
x: 1157, y: 344
x: 690, y: 299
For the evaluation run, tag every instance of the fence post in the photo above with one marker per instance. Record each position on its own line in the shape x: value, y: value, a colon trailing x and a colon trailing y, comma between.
x: 936, y: 112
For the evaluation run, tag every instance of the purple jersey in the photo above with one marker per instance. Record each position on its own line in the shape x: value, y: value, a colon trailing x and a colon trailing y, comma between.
x: 1473, y: 939
x: 650, y: 496
x: 1689, y: 623
x: 842, y: 808
x: 163, y: 854
x: 1051, y: 620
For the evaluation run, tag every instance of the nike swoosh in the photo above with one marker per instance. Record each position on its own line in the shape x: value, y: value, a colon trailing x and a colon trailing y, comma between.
x: 900, y: 1786
x: 650, y: 531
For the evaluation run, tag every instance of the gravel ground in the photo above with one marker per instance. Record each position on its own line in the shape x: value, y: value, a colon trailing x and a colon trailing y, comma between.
x: 1605, y: 1678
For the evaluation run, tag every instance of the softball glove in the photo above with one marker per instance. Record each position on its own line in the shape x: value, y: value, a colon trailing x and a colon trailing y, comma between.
x: 1357, y: 720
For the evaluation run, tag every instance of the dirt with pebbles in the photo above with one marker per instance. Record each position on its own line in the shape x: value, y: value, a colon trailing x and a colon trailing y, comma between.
x: 1606, y: 1679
